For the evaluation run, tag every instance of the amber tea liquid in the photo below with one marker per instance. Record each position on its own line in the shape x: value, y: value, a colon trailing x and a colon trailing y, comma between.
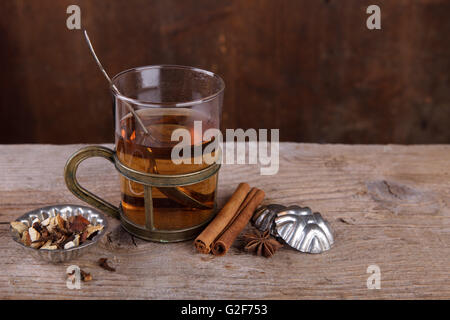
x: 152, y: 154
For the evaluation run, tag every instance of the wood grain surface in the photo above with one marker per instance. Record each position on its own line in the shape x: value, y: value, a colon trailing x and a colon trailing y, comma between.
x: 388, y: 205
x: 309, y: 67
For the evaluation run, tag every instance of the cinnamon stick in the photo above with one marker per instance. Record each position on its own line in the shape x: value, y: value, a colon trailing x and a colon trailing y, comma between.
x: 204, y: 241
x: 253, y: 200
x: 249, y: 197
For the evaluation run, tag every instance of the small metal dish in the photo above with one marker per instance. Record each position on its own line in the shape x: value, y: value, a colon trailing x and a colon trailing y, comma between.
x: 66, y: 211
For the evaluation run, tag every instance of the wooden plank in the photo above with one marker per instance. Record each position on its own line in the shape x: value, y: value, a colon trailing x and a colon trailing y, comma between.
x: 388, y: 205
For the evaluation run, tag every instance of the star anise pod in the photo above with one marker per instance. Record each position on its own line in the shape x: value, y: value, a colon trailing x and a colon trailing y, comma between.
x: 262, y: 244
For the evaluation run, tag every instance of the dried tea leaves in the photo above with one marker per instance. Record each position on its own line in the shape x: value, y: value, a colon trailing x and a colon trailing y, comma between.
x: 56, y: 232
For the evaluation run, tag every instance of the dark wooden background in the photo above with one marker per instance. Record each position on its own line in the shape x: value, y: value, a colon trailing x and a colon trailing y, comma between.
x: 308, y: 67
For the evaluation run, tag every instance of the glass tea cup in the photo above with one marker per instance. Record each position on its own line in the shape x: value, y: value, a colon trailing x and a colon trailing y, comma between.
x: 160, y: 199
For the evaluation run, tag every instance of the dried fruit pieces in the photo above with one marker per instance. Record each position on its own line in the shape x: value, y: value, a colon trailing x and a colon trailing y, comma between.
x: 85, y: 276
x: 19, y: 226
x: 26, y: 240
x: 103, y: 262
x: 90, y: 232
x: 78, y: 223
x: 56, y: 232
x: 49, y: 246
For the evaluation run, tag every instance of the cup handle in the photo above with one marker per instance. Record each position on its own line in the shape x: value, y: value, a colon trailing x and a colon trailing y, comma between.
x: 70, y: 171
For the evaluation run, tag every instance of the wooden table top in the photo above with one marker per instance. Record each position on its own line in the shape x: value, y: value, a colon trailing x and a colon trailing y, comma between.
x: 388, y: 205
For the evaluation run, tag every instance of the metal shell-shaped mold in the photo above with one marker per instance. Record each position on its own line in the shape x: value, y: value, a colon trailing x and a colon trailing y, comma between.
x: 304, y: 230
x: 264, y: 217
x: 61, y: 255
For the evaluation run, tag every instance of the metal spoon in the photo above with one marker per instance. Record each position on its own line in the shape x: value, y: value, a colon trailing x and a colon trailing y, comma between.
x: 113, y: 86
x: 172, y: 193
